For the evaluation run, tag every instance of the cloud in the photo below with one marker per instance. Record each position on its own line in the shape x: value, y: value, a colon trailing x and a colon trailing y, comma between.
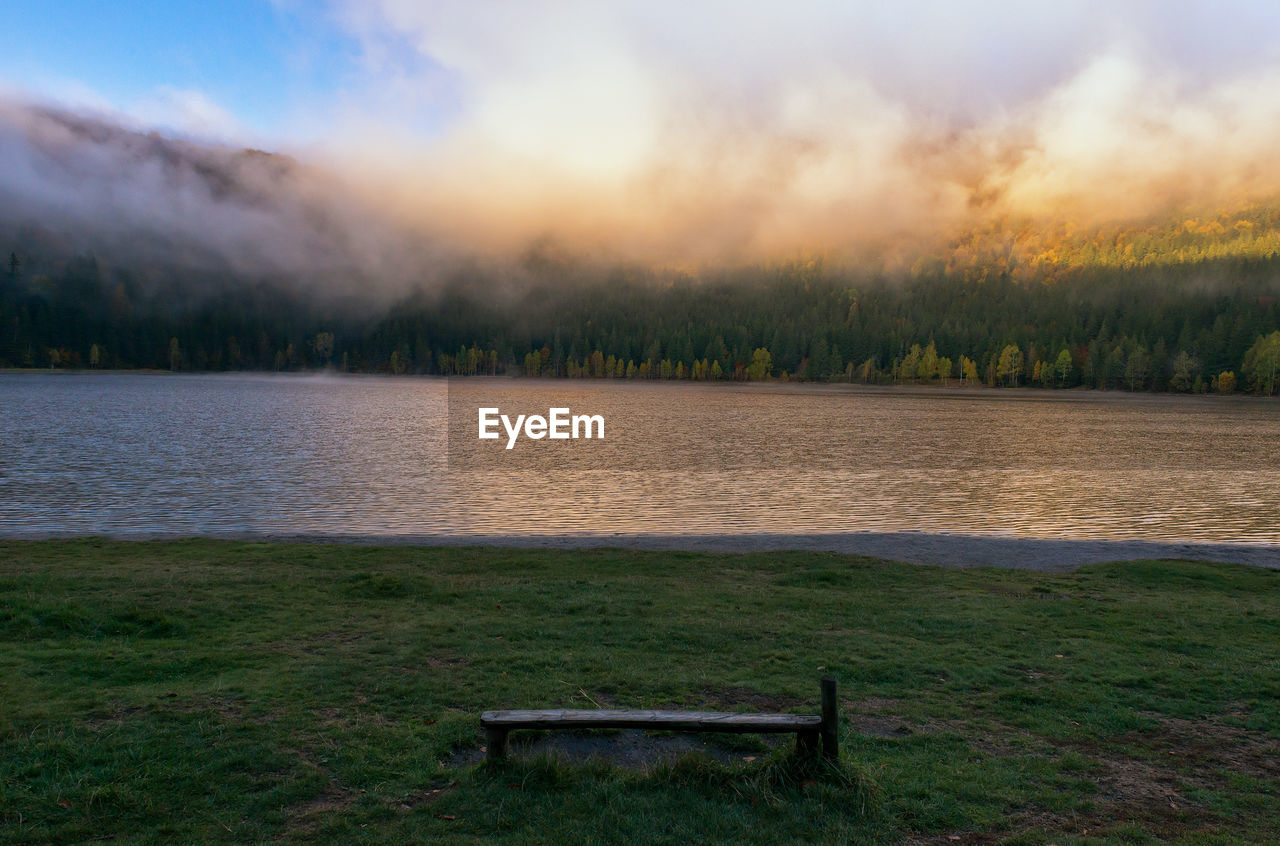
x: 721, y: 131
x: 151, y: 203
x: 713, y: 132
x: 1119, y: 140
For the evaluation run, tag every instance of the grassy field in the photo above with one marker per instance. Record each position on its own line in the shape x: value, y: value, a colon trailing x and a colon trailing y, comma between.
x: 202, y: 691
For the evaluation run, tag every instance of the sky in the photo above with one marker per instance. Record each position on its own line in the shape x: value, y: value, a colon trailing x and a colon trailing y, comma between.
x: 282, y: 70
x: 225, y: 67
x: 652, y: 127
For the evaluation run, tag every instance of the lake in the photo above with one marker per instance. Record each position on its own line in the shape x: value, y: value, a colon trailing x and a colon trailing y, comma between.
x: 143, y: 455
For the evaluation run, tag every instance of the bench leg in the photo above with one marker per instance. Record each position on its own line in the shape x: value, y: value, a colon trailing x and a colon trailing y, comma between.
x: 496, y: 741
x: 807, y: 742
x: 830, y: 720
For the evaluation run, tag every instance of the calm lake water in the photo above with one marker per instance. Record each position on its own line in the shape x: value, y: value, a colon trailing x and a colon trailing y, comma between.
x: 148, y: 455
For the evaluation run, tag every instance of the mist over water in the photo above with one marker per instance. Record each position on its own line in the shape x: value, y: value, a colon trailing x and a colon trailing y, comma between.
x: 141, y: 456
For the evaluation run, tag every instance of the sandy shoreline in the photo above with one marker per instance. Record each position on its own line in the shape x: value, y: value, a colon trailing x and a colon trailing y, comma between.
x: 945, y: 550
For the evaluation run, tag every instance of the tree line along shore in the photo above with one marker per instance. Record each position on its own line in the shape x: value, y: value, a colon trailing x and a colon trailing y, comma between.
x: 1191, y: 310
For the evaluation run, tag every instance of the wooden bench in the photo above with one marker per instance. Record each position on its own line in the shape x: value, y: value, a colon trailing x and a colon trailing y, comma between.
x: 809, y: 729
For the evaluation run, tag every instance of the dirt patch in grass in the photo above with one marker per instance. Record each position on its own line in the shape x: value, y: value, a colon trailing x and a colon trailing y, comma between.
x: 429, y: 795
x: 880, y: 717
x: 578, y: 697
x: 1211, y: 748
x: 746, y: 699
x: 303, y: 816
x: 226, y: 708
x: 873, y: 704
x: 351, y: 718
x: 443, y: 663
x: 322, y: 644
x: 115, y: 718
x: 879, y: 726
x: 987, y: 738
x: 334, y: 798
x: 1135, y: 789
x: 232, y: 710
x: 962, y: 839
x: 1050, y: 824
x: 1142, y: 778
x: 1163, y: 821
x: 631, y: 749
x: 1149, y: 772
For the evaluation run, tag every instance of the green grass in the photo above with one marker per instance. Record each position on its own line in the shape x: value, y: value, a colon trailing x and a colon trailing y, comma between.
x: 203, y: 691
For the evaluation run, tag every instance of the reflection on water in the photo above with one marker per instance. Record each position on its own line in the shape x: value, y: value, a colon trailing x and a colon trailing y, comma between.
x: 296, y: 455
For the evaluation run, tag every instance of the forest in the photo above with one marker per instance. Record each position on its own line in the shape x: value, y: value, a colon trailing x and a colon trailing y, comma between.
x: 1188, y: 305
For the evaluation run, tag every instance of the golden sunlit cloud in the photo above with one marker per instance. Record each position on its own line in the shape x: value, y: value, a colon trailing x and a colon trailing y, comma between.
x: 724, y: 134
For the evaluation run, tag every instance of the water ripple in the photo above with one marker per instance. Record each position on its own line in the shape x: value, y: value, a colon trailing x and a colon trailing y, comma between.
x: 137, y: 455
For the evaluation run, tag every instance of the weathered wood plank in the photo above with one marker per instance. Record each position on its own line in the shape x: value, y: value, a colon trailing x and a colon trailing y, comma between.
x: 657, y: 720
x: 810, y: 729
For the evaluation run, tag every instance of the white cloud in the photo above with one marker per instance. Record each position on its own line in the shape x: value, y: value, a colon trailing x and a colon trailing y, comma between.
x: 721, y: 128
x: 725, y: 130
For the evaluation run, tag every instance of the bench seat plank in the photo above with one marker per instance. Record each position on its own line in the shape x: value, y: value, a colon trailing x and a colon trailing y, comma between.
x: 654, y: 720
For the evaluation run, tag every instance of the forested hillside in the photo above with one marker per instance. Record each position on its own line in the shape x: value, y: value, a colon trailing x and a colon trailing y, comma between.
x: 1191, y: 304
